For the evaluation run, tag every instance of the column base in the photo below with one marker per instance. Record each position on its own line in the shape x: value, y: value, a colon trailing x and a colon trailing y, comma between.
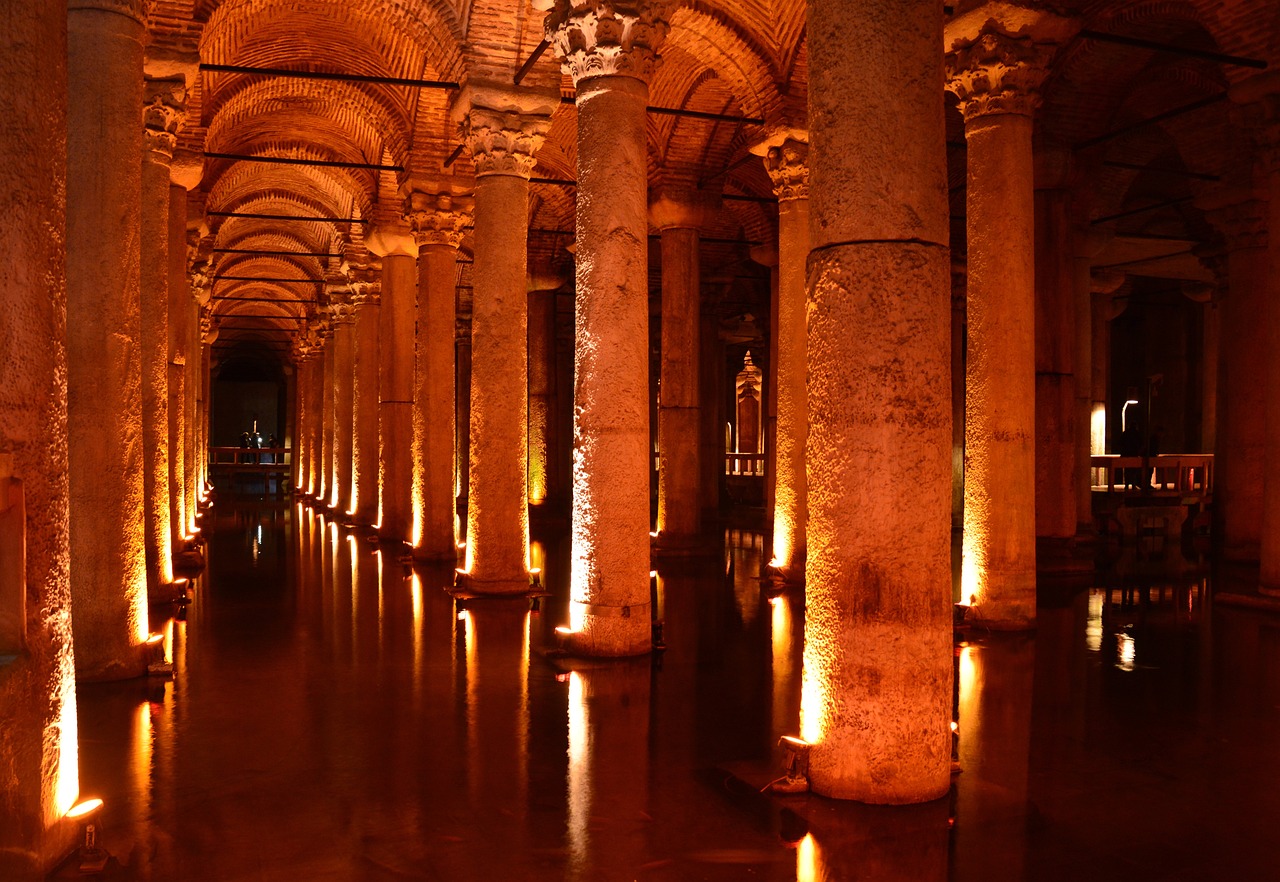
x: 608, y: 637
x: 466, y: 585
x: 674, y: 545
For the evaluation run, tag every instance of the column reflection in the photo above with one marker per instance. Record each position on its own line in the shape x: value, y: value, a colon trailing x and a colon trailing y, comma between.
x: 878, y: 844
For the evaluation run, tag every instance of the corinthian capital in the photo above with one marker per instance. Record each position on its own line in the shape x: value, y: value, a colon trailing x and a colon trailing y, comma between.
x: 503, y: 142
x: 600, y: 38
x: 164, y: 105
x: 436, y: 219
x: 208, y: 327
x: 996, y: 73
x: 786, y: 159
x: 364, y: 283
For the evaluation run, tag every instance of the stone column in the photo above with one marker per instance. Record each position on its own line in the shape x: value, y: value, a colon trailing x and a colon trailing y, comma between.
x: 394, y: 244
x: 323, y: 392
x: 438, y: 229
x: 610, y: 48
x: 678, y: 214
x: 995, y: 71
x: 767, y: 256
x: 37, y: 689
x: 162, y: 108
x: 1104, y: 306
x: 104, y: 395
x: 542, y: 383
x: 1240, y: 458
x: 712, y: 377
x: 786, y: 158
x: 344, y: 369
x: 1082, y: 309
x: 1055, y: 343
x: 302, y: 403
x: 503, y: 131
x: 462, y: 441
x: 208, y: 335
x: 201, y: 291
x: 365, y: 298
x: 876, y: 697
x: 184, y: 175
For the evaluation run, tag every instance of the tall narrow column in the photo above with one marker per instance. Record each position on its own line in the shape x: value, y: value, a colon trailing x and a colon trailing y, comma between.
x: 208, y: 336
x: 201, y: 292
x: 503, y: 131
x: 344, y: 369
x: 462, y: 440
x: 542, y: 383
x: 162, y: 108
x: 37, y: 687
x: 394, y: 244
x: 184, y: 175
x: 610, y: 48
x: 302, y: 447
x: 1082, y: 307
x: 786, y: 158
x: 876, y: 698
x: 1240, y: 458
x: 323, y: 391
x: 438, y: 229
x: 104, y: 398
x: 677, y: 214
x: 365, y: 298
x: 995, y: 71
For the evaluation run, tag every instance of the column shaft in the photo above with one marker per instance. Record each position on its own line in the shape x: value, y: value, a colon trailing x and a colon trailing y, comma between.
x: 179, y: 336
x: 790, y: 496
x: 344, y: 351
x: 1270, y: 541
x: 497, y: 508
x: 876, y: 698
x: 434, y: 406
x: 104, y: 142
x: 1082, y: 307
x: 679, y: 471
x: 542, y: 378
x: 395, y: 395
x: 154, y: 351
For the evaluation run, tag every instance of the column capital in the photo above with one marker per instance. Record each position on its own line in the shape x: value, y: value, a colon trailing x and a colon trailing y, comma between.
x: 208, y: 327
x: 786, y: 159
x: 365, y: 285
x: 338, y: 298
x: 391, y: 239
x: 164, y: 106
x: 599, y: 38
x: 504, y: 140
x: 997, y: 56
x: 682, y: 208
x: 437, y: 219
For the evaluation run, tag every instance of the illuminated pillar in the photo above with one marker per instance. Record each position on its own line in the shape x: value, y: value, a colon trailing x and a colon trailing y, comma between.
x: 1082, y: 310
x: 462, y: 440
x: 104, y: 396
x: 995, y: 70
x: 163, y: 106
x: 1055, y: 343
x: 767, y: 256
x: 677, y: 214
x: 399, y: 253
x: 208, y: 336
x: 503, y: 131
x: 38, y: 750
x: 1240, y: 455
x: 200, y: 291
x: 322, y: 390
x: 365, y: 298
x: 301, y: 449
x: 438, y: 229
x: 344, y: 368
x: 544, y: 457
x: 1103, y: 308
x: 184, y: 175
x: 876, y: 695
x: 610, y: 48
x: 786, y: 158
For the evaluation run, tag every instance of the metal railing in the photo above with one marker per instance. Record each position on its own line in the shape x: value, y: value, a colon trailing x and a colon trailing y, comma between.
x: 744, y: 464
x: 1187, y: 474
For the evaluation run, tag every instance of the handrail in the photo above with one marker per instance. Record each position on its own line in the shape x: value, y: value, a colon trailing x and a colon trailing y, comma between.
x: 1189, y: 474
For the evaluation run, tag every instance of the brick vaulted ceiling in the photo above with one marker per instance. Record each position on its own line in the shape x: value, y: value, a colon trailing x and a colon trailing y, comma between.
x: 738, y: 58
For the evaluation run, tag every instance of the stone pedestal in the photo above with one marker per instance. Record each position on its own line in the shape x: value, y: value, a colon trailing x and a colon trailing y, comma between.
x: 38, y: 747
x: 876, y: 697
x: 364, y: 450
x: 503, y: 131
x: 438, y: 229
x: 786, y: 158
x: 104, y: 395
x: 995, y: 68
x: 609, y: 49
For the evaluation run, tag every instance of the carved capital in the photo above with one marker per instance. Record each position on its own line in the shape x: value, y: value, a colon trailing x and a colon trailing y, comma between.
x: 788, y: 167
x: 436, y: 219
x: 365, y: 286
x: 996, y: 73
x: 503, y: 142
x: 164, y: 106
x: 596, y: 38
x: 208, y: 327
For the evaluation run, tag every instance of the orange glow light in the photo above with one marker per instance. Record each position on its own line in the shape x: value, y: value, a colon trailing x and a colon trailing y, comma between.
x: 79, y: 810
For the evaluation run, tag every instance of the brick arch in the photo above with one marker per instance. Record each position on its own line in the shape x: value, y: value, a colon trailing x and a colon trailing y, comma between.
x: 327, y: 191
x: 710, y: 38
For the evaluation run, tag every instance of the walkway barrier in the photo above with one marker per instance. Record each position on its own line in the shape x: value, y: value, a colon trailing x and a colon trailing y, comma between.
x: 265, y: 467
x: 744, y: 464
x: 1185, y: 474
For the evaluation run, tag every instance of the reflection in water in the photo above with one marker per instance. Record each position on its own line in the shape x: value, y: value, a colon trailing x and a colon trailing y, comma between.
x: 807, y: 861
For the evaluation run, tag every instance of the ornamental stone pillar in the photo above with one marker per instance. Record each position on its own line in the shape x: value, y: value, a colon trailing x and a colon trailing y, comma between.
x: 503, y: 130
x: 201, y: 291
x: 610, y: 48
x: 1240, y: 457
x: 996, y: 72
x: 876, y: 697
x: 184, y: 175
x: 544, y: 447
x: 786, y: 158
x: 394, y: 244
x: 208, y: 336
x: 104, y: 395
x: 677, y: 214
x: 37, y: 683
x: 163, y: 106
x: 342, y: 314
x: 324, y: 383
x: 366, y: 300
x: 439, y: 227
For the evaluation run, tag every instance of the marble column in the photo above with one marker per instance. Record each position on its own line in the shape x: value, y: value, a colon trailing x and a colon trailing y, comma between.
x: 462, y: 439
x: 610, y: 48
x: 37, y: 687
x: 393, y: 242
x: 366, y: 299
x: 201, y: 292
x: 438, y: 229
x: 184, y: 175
x: 996, y: 69
x: 344, y: 369
x: 1240, y: 457
x: 786, y: 158
x: 503, y: 131
x: 1082, y: 309
x: 543, y: 449
x: 104, y: 395
x: 208, y: 336
x: 677, y: 214
x: 163, y: 105
x: 876, y: 694
x: 302, y: 405
x: 323, y: 392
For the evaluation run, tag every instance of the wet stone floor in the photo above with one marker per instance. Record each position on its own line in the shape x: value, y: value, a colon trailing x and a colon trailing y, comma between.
x: 334, y: 715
